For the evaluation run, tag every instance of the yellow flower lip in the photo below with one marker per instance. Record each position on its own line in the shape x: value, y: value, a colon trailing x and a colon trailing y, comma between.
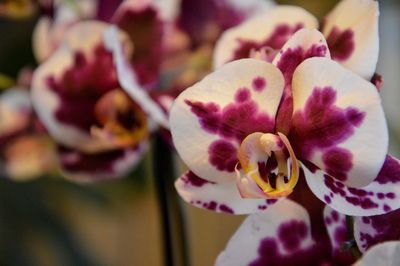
x: 260, y: 147
x: 109, y: 109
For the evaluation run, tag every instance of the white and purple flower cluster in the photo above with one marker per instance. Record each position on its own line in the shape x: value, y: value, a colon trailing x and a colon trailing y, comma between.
x: 290, y: 126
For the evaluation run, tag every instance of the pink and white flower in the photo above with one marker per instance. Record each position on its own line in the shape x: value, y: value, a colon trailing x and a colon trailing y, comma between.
x: 286, y: 235
x: 101, y: 131
x: 248, y: 130
x: 351, y: 31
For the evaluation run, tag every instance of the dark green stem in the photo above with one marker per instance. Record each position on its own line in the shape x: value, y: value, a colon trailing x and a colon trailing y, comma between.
x: 172, y: 221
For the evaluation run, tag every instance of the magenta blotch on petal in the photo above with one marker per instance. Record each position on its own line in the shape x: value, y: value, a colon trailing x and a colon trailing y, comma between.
x: 341, y: 43
x: 372, y: 230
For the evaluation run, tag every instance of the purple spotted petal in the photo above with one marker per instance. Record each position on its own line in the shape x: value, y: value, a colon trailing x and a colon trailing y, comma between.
x: 381, y: 196
x: 337, y: 114
x: 270, y: 29
x: 351, y: 30
x: 210, y: 119
x: 219, y: 197
x: 279, y: 236
x: 70, y: 83
x: 106, y: 8
x: 305, y: 43
x: 86, y: 168
x: 372, y: 230
x: 128, y: 80
x: 387, y: 253
x: 336, y: 226
x: 205, y: 20
x: 142, y: 22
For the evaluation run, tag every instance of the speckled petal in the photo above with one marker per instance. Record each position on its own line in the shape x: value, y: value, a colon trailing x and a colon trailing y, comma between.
x: 88, y: 168
x: 210, y: 119
x: 218, y: 197
x: 336, y: 225
x: 387, y: 254
x: 279, y: 236
x: 338, y: 122
x: 373, y: 230
x: 71, y: 68
x: 351, y: 30
x: 305, y: 43
x: 270, y: 29
x: 379, y: 197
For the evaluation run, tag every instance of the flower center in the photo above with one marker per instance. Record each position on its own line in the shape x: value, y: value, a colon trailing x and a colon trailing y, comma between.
x: 121, y: 122
x: 256, y: 150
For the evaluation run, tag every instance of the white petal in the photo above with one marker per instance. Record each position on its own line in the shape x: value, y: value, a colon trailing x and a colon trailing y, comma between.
x: 128, y: 80
x: 218, y: 197
x: 88, y: 168
x: 338, y: 122
x: 351, y: 30
x: 210, y: 119
x: 336, y: 226
x: 387, y: 254
x: 280, y: 235
x: 379, y: 197
x: 272, y: 28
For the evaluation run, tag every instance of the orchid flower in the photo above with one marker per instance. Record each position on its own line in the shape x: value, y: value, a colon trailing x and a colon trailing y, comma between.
x: 25, y: 153
x: 284, y: 235
x: 51, y: 28
x: 101, y: 131
x: 351, y: 31
x: 204, y: 20
x: 246, y: 150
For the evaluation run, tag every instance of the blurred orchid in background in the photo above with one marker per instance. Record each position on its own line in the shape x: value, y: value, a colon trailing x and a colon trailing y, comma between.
x: 78, y: 97
x: 27, y: 151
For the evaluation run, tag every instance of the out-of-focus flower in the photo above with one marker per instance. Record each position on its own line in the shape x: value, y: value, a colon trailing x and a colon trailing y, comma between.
x: 17, y: 9
x: 26, y: 152
x: 59, y: 15
x: 15, y: 113
x: 29, y: 156
x: 332, y: 127
x: 51, y: 28
x: 101, y: 131
x: 351, y: 31
x: 204, y: 20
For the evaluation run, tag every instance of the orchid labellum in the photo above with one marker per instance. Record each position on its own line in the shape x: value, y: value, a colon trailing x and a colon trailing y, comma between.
x: 249, y: 129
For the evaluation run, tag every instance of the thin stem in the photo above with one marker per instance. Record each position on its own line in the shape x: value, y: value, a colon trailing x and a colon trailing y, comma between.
x: 351, y: 243
x: 172, y: 221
